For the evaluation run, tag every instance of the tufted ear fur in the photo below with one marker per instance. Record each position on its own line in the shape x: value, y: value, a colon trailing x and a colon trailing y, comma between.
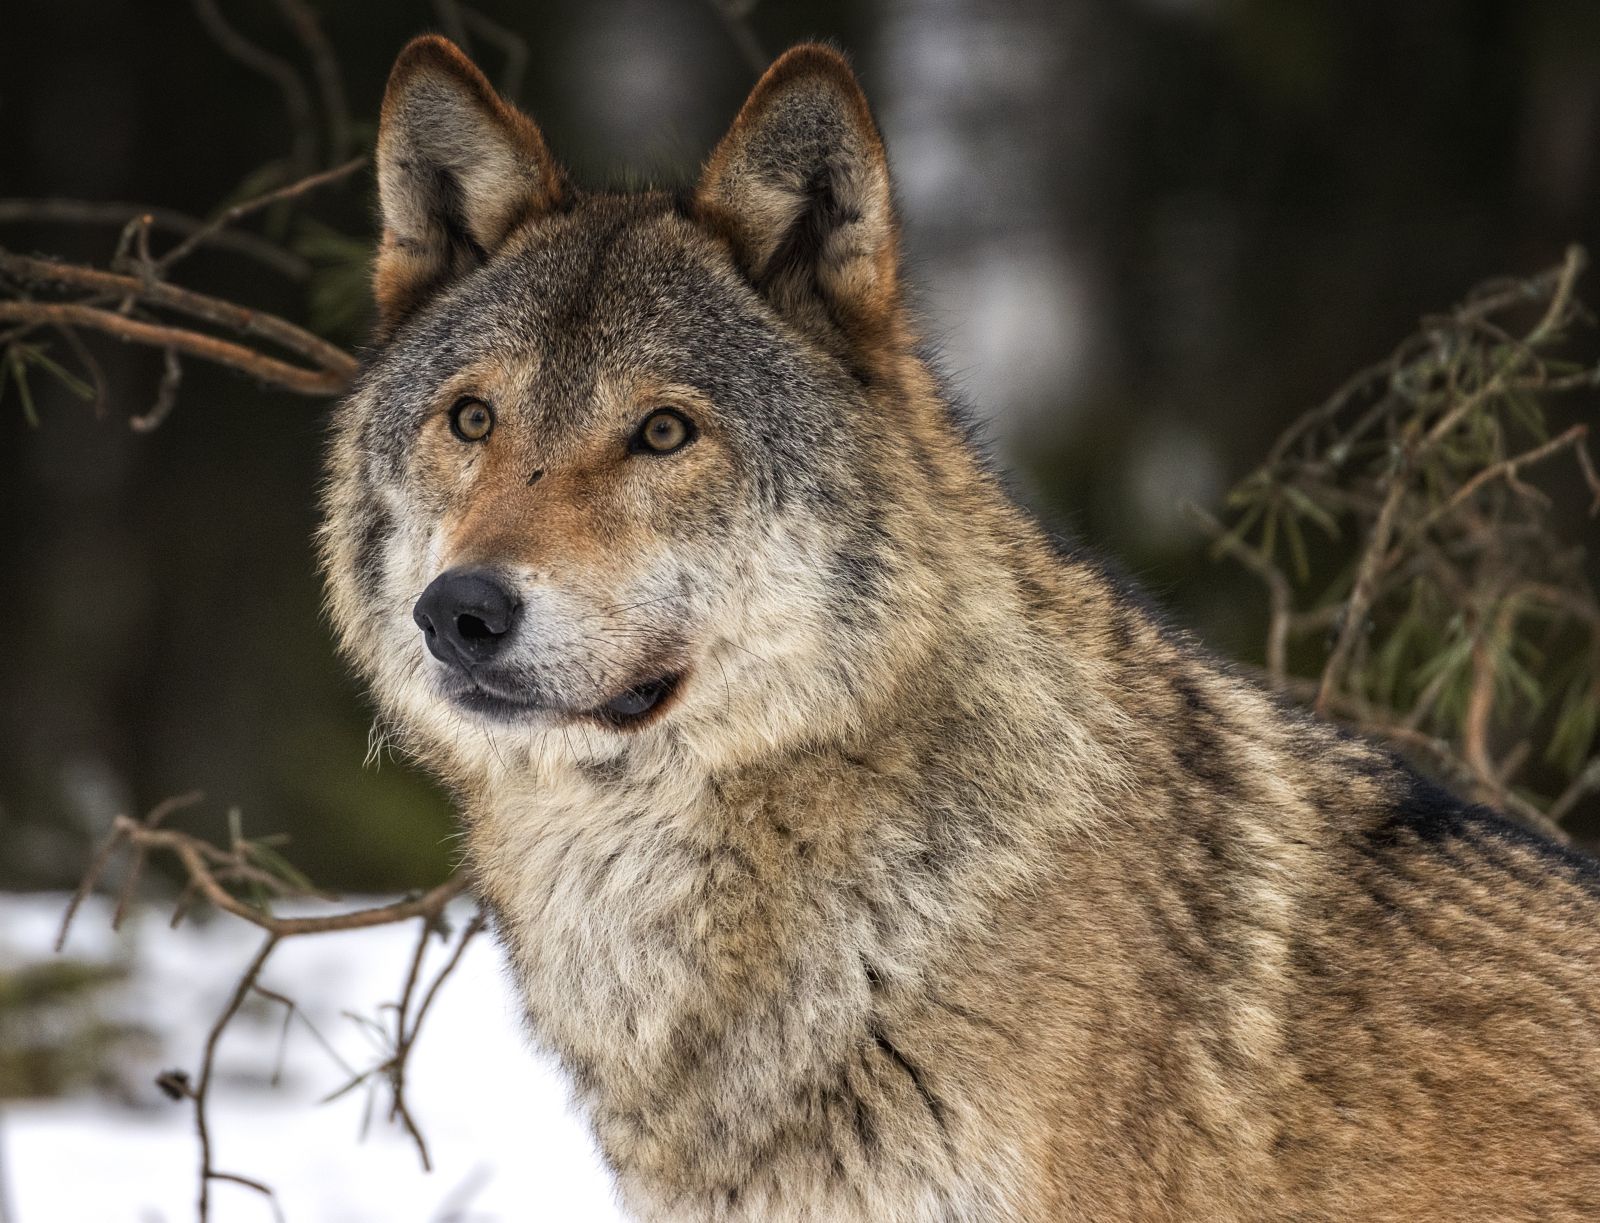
x: 800, y: 187
x: 458, y: 170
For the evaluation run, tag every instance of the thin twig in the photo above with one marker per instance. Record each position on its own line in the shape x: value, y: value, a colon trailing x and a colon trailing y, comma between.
x: 206, y: 866
x: 242, y: 319
x: 208, y: 1062
x: 406, y: 1036
x: 195, y: 344
x: 1506, y: 469
x: 307, y: 27
x: 292, y: 1010
x: 1457, y: 554
x: 1279, y: 593
x: 91, y: 877
x: 1488, y: 645
x: 296, y: 98
x: 166, y: 395
x: 238, y: 212
x: 1586, y: 782
x: 258, y: 1186
x: 1354, y: 617
x: 1376, y: 555
x: 187, y: 848
x: 1329, y: 408
x: 200, y: 858
x: 55, y: 211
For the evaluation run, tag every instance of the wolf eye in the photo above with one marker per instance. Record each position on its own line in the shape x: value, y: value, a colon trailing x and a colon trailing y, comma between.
x: 662, y: 432
x: 471, y: 419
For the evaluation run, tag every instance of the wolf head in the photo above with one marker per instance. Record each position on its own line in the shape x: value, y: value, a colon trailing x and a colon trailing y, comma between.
x: 633, y: 469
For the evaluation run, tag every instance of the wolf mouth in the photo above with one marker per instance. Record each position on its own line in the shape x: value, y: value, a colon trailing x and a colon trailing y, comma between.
x: 633, y: 707
x: 503, y: 708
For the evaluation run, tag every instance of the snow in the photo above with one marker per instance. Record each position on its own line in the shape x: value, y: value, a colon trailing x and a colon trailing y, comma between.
x: 504, y: 1142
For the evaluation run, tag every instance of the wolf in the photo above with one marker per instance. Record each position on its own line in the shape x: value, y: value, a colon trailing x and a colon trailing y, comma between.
x: 859, y: 852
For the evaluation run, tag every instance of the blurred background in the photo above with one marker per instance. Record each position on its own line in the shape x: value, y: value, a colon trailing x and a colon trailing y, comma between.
x: 1146, y: 234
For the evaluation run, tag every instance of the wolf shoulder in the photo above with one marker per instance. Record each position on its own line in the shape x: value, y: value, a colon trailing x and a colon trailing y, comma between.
x: 1460, y: 878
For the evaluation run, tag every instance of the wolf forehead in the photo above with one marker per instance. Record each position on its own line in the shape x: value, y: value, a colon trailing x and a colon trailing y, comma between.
x: 619, y: 286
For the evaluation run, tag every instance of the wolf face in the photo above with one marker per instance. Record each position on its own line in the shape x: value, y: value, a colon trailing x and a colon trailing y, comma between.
x: 619, y: 466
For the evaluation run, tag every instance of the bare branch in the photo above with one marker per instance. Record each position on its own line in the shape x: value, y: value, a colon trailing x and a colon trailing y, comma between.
x: 207, y: 348
x: 296, y: 98
x: 56, y: 211
x: 1278, y: 591
x: 91, y: 877
x: 207, y: 866
x: 190, y: 852
x: 402, y: 1057
x: 292, y: 1011
x: 238, y: 212
x: 1586, y: 782
x: 256, y: 323
x: 1459, y: 578
x: 1361, y: 595
x: 1376, y: 555
x: 166, y: 395
x: 325, y: 68
x: 1507, y: 469
x: 1331, y: 407
x: 1487, y: 644
x: 208, y: 1062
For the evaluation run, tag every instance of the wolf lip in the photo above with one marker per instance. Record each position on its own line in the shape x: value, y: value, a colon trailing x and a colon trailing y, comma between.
x: 494, y: 705
x: 637, y: 702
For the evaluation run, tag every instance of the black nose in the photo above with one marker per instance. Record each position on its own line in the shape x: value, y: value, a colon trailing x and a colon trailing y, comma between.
x: 466, y: 617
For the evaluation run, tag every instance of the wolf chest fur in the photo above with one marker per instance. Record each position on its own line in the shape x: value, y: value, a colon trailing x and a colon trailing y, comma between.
x: 858, y: 853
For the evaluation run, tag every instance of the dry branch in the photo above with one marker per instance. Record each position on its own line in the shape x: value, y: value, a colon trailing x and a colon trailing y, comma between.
x: 108, y: 302
x: 1279, y: 592
x: 327, y: 357
x: 1414, y: 450
x: 57, y: 211
x: 209, y: 868
x: 325, y: 68
x: 194, y: 343
x: 1458, y: 581
x: 296, y: 98
x: 231, y: 216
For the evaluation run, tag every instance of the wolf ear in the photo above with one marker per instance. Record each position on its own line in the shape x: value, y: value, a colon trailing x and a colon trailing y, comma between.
x: 800, y: 188
x: 458, y: 169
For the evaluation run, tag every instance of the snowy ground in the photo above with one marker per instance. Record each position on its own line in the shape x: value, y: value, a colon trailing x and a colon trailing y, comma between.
x: 504, y: 1144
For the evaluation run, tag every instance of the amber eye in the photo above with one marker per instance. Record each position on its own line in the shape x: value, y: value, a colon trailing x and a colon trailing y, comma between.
x: 663, y: 432
x: 471, y: 419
